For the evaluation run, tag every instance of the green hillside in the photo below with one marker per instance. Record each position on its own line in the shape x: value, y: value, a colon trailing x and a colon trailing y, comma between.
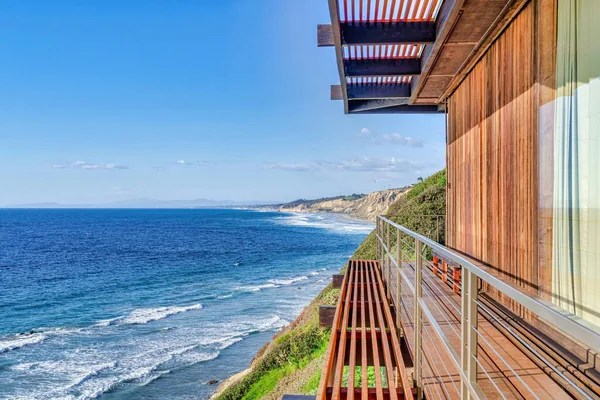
x: 422, y: 209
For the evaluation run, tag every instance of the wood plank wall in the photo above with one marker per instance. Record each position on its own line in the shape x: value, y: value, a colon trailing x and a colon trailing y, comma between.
x: 492, y: 155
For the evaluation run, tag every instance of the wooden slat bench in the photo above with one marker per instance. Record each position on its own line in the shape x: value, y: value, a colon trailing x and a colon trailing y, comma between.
x: 363, y: 335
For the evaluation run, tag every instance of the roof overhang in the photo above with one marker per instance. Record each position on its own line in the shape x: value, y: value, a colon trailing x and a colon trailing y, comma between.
x: 403, y: 56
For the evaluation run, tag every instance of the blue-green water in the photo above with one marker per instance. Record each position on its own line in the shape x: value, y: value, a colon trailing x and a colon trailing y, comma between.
x: 131, y: 304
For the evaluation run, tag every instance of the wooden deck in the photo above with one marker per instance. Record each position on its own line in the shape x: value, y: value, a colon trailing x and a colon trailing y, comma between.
x: 364, y: 338
x: 371, y: 336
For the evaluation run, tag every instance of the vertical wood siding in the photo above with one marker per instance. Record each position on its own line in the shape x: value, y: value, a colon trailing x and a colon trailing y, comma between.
x: 492, y: 156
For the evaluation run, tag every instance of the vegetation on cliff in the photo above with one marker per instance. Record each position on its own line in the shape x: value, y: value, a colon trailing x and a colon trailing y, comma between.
x: 295, y: 203
x: 421, y: 209
x: 291, y: 351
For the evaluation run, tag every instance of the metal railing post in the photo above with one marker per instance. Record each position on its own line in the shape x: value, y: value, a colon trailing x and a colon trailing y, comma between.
x: 418, y: 320
x: 377, y: 237
x: 399, y: 281
x: 468, y: 330
x: 389, y: 262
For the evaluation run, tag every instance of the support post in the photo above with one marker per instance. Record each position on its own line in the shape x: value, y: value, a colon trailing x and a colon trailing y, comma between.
x: 418, y: 347
x: 468, y: 330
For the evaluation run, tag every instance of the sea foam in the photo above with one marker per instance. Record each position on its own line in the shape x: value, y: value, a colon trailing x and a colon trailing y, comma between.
x: 288, y: 281
x: 330, y: 222
x: 18, y: 341
x: 145, y: 315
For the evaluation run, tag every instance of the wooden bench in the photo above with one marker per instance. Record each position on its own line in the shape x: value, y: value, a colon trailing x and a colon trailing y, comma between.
x: 364, y: 335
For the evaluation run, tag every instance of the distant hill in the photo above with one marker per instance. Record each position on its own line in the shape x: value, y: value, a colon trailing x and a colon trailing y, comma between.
x: 365, y: 206
x: 146, y: 203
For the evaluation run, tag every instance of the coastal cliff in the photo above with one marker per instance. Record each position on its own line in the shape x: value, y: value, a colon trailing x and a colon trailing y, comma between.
x: 357, y: 205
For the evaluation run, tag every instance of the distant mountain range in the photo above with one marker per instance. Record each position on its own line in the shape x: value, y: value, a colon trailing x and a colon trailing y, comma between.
x: 147, y: 203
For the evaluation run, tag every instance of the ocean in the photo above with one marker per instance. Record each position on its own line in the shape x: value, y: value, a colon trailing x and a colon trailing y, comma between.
x: 153, y: 304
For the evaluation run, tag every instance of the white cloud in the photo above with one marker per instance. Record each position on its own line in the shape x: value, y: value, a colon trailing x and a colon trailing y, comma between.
x: 393, y: 138
x: 292, y: 166
x: 401, y: 140
x: 370, y: 164
x: 87, y: 165
x: 360, y: 164
x: 192, y: 163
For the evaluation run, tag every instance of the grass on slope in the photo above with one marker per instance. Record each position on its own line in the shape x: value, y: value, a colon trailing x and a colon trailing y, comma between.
x: 290, y: 351
x: 417, y: 210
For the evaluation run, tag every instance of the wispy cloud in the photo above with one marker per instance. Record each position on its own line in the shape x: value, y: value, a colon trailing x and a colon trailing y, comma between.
x: 284, y: 166
x: 360, y: 164
x: 88, y: 165
x: 392, y: 138
x: 192, y: 163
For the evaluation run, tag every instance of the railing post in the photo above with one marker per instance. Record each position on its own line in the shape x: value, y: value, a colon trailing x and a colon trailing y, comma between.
x: 377, y: 238
x: 468, y: 330
x: 418, y: 347
x: 399, y: 282
x: 389, y: 262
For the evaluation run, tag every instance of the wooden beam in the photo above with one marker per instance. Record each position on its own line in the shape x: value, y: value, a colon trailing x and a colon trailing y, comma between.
x: 337, y: 280
x: 388, y: 33
x: 325, y: 36
x: 336, y: 92
x: 383, y: 67
x: 368, y: 105
x: 339, y: 56
x: 379, y: 91
x: 396, y: 109
x: 447, y: 17
x: 326, y: 315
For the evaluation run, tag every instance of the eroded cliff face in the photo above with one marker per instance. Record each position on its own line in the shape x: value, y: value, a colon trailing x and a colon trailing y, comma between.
x: 367, y: 207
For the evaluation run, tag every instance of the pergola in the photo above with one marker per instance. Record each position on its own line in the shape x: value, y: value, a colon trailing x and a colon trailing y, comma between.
x: 405, y: 56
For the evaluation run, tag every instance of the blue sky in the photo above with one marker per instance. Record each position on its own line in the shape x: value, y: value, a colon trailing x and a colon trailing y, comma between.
x: 182, y: 99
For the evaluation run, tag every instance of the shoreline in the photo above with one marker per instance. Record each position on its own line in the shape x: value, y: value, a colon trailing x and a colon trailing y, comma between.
x: 327, y: 296
x: 344, y: 215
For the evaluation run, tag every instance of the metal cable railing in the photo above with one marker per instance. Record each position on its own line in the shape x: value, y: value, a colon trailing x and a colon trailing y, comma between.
x: 473, y: 354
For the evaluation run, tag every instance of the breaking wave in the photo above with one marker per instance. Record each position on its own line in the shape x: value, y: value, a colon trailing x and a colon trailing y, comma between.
x: 145, y: 315
x: 332, y: 222
x: 17, y: 341
x: 288, y: 281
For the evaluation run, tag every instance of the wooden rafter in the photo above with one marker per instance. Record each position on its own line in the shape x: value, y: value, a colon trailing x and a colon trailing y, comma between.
x: 388, y: 33
x: 383, y: 67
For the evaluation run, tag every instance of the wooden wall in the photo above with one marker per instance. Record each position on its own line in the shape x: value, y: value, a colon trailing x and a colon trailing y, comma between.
x: 492, y: 155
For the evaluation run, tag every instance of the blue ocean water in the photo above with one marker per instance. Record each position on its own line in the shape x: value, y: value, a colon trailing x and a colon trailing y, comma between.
x: 132, y: 304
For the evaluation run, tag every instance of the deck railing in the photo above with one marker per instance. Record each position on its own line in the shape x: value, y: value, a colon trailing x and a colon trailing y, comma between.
x: 460, y: 344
